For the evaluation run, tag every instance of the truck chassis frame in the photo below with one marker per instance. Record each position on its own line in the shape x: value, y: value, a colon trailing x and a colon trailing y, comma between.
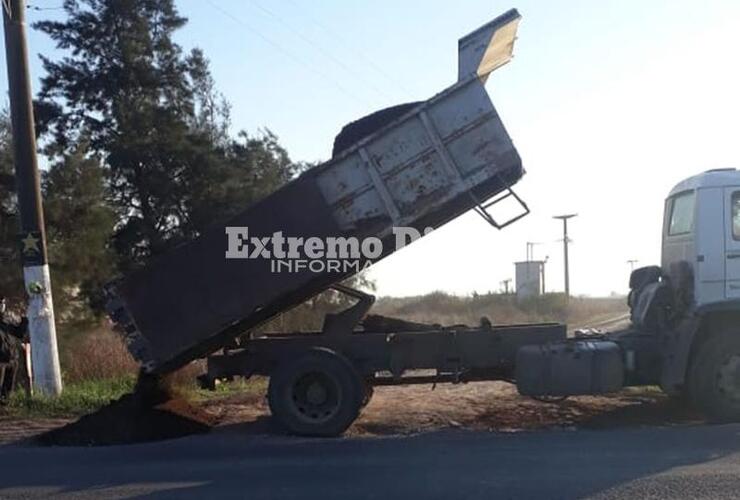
x: 394, y: 352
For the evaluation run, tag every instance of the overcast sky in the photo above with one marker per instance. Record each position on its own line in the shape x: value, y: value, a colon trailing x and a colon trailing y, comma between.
x: 609, y: 104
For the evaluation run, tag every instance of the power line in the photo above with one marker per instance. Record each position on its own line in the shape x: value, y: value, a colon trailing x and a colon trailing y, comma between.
x: 319, y: 48
x: 286, y: 52
x: 356, y: 51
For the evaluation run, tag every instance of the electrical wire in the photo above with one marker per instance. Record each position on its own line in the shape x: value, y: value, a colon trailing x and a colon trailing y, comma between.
x: 286, y: 52
x: 344, y: 43
x: 319, y: 48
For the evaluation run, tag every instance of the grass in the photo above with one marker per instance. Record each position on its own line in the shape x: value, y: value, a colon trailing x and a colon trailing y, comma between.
x: 228, y: 390
x: 446, y: 309
x: 86, y: 396
x: 78, y: 398
x: 97, y: 368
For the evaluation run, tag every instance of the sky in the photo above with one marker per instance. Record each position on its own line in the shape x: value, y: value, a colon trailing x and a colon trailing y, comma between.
x: 609, y: 104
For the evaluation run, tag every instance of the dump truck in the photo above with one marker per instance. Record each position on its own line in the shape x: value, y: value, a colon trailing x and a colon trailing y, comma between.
x: 401, y: 172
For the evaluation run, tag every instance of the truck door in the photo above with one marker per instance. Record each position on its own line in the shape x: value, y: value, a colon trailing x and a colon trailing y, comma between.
x: 732, y: 242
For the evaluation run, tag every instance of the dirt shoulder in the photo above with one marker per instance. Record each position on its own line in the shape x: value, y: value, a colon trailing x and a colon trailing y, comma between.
x: 405, y: 410
x: 14, y: 429
x: 487, y: 406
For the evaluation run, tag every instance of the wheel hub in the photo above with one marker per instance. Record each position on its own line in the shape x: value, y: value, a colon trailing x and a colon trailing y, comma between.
x: 316, y: 394
x: 316, y: 397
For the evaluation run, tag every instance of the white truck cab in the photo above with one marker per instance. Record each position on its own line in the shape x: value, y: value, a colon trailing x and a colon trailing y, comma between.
x: 701, y: 230
x: 685, y: 332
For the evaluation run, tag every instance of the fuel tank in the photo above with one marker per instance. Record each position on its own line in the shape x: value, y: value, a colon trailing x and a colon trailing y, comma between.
x: 575, y: 367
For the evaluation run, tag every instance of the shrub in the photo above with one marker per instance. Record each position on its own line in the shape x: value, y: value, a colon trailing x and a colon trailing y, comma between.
x: 96, y: 355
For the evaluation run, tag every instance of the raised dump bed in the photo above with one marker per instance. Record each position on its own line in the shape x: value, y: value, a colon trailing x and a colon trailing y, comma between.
x: 441, y: 158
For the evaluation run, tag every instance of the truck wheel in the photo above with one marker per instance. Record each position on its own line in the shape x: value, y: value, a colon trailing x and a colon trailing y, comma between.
x: 317, y: 394
x: 714, y: 378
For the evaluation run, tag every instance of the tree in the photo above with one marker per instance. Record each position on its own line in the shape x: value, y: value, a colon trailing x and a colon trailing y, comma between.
x: 153, y: 115
x: 248, y: 169
x: 130, y: 91
x: 148, y: 116
x: 212, y: 113
x: 80, y: 223
x: 11, y: 277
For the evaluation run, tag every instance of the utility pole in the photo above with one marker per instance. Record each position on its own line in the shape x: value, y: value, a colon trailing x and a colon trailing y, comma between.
x: 44, y: 356
x: 530, y: 250
x: 565, y: 218
x: 544, y: 262
x: 506, y: 286
x: 632, y: 263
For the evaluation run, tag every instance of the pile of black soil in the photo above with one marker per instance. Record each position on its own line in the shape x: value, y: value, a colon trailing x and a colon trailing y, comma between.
x: 357, y: 130
x: 151, y: 413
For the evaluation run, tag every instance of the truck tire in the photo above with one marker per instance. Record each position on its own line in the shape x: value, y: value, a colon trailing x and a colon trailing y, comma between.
x: 714, y: 378
x: 317, y: 394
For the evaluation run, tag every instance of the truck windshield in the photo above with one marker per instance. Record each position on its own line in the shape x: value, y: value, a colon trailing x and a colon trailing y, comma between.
x: 682, y: 214
x: 736, y: 215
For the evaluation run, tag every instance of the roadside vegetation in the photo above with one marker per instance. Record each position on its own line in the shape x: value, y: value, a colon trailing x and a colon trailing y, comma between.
x: 79, y: 397
x: 446, y: 309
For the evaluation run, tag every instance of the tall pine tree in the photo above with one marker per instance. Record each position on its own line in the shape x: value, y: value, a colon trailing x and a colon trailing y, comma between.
x: 79, y: 223
x: 128, y: 89
x: 152, y: 113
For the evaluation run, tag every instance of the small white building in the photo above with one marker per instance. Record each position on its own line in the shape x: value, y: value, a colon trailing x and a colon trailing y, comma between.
x: 530, y: 278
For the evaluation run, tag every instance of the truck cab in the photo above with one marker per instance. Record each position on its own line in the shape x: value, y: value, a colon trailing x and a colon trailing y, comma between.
x: 689, y: 306
x: 701, y: 235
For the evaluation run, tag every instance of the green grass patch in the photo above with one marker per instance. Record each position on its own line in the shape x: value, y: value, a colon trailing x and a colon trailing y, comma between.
x: 77, y: 399
x: 86, y: 396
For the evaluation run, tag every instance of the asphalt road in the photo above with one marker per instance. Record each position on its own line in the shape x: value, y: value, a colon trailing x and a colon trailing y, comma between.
x: 676, y: 462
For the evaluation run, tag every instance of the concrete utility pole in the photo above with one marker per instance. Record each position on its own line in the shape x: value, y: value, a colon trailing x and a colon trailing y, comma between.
x: 632, y: 263
x: 45, y: 358
x: 565, y: 218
